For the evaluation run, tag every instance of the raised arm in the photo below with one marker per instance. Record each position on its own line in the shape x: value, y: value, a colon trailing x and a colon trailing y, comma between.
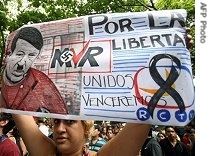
x: 36, y: 142
x: 23, y: 147
x: 128, y: 142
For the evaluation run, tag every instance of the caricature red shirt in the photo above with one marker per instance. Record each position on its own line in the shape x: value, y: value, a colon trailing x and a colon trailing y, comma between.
x: 34, y: 93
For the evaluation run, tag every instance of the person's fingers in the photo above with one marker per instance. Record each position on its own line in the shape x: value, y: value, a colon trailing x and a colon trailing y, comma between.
x: 187, y: 30
x: 189, y: 41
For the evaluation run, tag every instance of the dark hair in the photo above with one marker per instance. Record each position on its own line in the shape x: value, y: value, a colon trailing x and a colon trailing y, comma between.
x: 166, y: 127
x: 15, y: 132
x: 9, y: 126
x: 188, y: 130
x: 29, y: 34
x: 4, y: 116
x: 97, y: 127
x: 175, y: 129
x: 150, y: 132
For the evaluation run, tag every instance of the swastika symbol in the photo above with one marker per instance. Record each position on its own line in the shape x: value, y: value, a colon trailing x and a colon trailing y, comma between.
x: 66, y: 56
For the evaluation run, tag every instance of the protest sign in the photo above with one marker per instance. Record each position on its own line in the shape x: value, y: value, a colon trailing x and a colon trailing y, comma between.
x: 130, y: 67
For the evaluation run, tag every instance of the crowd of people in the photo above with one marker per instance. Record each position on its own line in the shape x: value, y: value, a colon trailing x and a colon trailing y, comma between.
x: 161, y: 140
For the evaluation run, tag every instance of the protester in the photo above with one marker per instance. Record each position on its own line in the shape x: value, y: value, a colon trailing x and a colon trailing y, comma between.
x: 86, y: 151
x: 103, y: 132
x: 192, y: 138
x: 160, y: 136
x: 19, y: 142
x: 7, y: 146
x: 96, y: 141
x: 171, y: 146
x: 186, y: 138
x: 151, y: 147
x: 70, y: 137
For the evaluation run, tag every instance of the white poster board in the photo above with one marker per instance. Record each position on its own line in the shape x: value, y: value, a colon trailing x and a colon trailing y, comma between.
x: 130, y: 67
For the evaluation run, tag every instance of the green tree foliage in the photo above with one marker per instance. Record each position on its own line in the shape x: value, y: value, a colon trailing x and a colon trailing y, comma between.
x: 4, y: 22
x: 189, y: 5
x: 37, y: 11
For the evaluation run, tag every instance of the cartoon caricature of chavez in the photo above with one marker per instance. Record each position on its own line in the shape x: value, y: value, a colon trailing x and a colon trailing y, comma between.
x: 26, y: 88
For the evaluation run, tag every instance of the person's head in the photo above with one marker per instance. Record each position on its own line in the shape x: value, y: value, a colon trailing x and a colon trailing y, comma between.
x: 110, y: 133
x: 103, y: 130
x: 25, y: 48
x: 71, y: 135
x: 116, y: 129
x: 160, y: 136
x: 192, y: 134
x: 188, y: 131
x: 96, y: 131
x: 6, y: 123
x: 40, y: 121
x: 171, y: 132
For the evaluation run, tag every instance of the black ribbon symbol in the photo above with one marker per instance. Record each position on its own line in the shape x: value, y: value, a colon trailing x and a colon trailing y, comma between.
x: 165, y: 86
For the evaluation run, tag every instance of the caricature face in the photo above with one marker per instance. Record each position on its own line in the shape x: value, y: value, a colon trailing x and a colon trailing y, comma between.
x: 19, y: 62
